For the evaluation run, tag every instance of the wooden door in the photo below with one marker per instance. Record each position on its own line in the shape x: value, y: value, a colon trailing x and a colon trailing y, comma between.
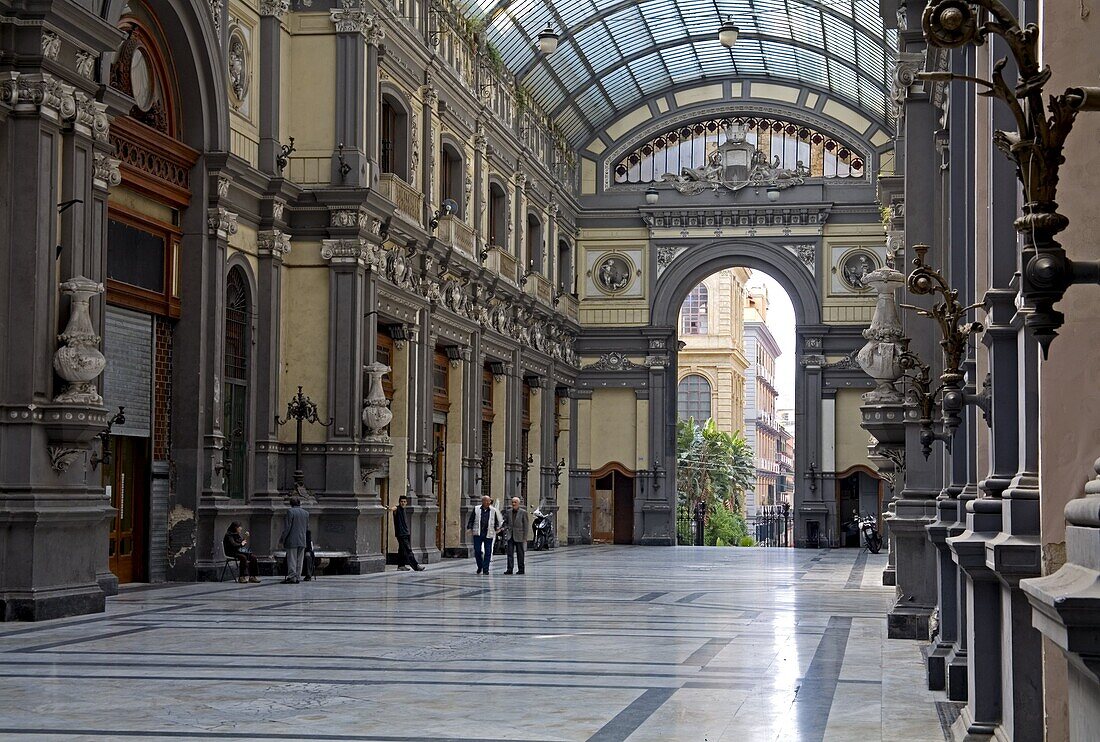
x: 128, y: 478
x: 439, y: 467
x: 624, y: 509
x: 603, y: 509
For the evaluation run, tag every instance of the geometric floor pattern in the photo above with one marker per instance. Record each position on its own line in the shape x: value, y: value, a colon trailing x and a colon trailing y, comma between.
x: 601, y: 643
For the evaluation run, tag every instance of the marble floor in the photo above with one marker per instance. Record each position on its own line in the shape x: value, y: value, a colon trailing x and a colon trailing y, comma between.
x: 594, y: 643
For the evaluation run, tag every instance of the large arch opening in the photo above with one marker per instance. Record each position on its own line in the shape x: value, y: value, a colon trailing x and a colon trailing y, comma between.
x: 678, y: 304
x: 734, y: 400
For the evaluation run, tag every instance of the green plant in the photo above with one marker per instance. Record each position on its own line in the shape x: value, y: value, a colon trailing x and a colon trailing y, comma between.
x: 747, y: 541
x: 713, y: 466
x: 725, y: 527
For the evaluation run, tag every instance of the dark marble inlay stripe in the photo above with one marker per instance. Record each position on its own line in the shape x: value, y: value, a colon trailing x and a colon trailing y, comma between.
x: 814, y: 699
x: 707, y: 652
x: 183, y: 734
x: 649, y: 597
x: 627, y: 721
x: 690, y: 597
x: 855, y: 577
x: 82, y: 639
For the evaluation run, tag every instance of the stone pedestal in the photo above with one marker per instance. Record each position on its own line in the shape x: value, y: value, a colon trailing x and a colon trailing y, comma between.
x: 1066, y: 609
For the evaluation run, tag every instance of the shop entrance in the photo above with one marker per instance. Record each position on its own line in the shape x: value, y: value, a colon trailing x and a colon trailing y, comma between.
x: 613, y: 505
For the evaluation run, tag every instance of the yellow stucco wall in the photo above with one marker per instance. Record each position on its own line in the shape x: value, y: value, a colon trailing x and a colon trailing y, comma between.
x: 306, y: 307
x: 851, y: 439
x: 613, y: 428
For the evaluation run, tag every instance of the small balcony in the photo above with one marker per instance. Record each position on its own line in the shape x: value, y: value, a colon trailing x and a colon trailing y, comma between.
x: 501, y: 261
x: 409, y: 202
x: 458, y: 234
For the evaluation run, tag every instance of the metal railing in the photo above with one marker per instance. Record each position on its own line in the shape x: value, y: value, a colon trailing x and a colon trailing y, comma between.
x: 774, y: 525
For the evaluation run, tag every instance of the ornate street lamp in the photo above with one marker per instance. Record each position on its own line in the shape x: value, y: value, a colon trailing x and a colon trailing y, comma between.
x: 300, y: 409
x: 1035, y: 147
x: 728, y: 32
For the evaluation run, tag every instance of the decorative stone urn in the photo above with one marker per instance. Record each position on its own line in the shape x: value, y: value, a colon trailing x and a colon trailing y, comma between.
x: 79, y: 361
x: 376, y: 408
x: 880, y: 358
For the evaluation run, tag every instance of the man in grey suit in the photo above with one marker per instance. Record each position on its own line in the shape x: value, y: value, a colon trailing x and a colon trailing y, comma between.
x: 294, y: 540
x: 515, y: 530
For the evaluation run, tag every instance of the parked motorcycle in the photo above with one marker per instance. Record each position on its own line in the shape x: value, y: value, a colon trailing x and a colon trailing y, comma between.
x: 544, y: 531
x: 868, y: 526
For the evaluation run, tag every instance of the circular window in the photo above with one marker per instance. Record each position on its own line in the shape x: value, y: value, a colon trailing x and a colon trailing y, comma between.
x: 142, y: 80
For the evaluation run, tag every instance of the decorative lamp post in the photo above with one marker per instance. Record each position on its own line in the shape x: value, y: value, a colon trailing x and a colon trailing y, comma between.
x: 300, y: 409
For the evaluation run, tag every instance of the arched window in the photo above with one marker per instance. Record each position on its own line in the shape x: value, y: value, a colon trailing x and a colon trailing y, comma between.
x: 451, y: 176
x: 498, y: 217
x: 565, y: 267
x: 394, y: 147
x: 534, y: 242
x: 693, y: 314
x: 693, y: 398
x: 237, y: 350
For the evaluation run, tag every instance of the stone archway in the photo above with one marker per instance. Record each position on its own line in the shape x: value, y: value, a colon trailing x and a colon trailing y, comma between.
x: 689, y: 268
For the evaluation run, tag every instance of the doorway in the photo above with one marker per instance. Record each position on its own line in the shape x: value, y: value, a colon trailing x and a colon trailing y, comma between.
x: 858, y: 492
x: 613, y: 506
x: 128, y: 478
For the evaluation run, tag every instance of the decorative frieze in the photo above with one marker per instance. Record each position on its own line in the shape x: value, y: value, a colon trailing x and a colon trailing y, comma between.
x: 347, y: 218
x: 51, y: 45
x: 273, y: 242
x: 85, y: 64
x: 613, y: 361
x: 222, y: 222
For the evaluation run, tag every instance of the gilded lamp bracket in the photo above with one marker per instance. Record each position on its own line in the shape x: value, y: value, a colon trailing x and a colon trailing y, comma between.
x: 1035, y: 147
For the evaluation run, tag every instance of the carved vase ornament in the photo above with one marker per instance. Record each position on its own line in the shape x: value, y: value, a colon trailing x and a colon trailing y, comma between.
x: 376, y: 408
x: 880, y: 358
x: 79, y: 361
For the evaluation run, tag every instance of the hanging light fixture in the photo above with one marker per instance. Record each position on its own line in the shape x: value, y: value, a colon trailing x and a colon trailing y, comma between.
x: 651, y: 195
x: 727, y: 34
x: 548, y: 40
x: 773, y: 193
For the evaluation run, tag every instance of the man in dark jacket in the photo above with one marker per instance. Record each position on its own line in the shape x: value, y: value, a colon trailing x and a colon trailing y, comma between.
x: 516, y: 524
x: 406, y: 560
x: 294, y: 540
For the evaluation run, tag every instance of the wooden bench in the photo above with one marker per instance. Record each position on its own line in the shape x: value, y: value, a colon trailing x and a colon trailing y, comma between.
x: 322, y: 559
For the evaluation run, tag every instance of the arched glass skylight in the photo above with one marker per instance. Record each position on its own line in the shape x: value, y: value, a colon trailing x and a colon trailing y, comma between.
x: 615, y: 53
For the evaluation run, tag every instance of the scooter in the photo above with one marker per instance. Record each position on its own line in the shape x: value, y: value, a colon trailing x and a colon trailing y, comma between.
x: 868, y: 526
x: 544, y: 531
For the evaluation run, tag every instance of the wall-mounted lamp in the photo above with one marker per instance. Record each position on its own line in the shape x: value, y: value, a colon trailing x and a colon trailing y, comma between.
x: 104, y: 457
x: 652, y: 195
x: 447, y: 208
x: 283, y: 158
x: 527, y: 273
x: 773, y: 193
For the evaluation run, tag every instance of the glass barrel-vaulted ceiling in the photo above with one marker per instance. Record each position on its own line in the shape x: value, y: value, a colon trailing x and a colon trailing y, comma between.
x: 615, y: 53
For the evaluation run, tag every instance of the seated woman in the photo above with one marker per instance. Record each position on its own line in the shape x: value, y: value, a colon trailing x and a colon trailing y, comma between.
x: 236, y: 545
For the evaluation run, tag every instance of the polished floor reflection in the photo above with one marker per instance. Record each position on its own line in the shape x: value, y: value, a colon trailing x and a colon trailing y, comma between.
x: 593, y: 643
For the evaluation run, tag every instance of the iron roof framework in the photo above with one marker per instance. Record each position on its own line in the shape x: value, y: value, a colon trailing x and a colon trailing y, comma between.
x: 615, y: 54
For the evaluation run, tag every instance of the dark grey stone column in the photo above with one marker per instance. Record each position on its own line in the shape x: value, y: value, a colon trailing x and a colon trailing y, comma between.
x: 580, y: 480
x: 658, y: 511
x: 513, y: 425
x: 422, y: 495
x: 213, y: 511
x: 470, y: 497
x: 809, y: 504
x: 54, y: 515
x: 266, y: 500
x: 548, y: 500
x: 351, y: 93
x: 271, y: 44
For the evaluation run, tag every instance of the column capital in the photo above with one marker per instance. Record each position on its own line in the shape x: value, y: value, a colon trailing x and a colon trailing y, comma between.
x: 274, y: 8
x: 105, y: 171
x: 222, y: 222
x: 273, y: 243
x: 38, y: 92
x: 351, y: 250
x: 353, y: 17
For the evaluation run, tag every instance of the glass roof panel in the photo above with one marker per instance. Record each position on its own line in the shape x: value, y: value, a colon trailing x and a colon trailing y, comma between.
x: 636, y: 49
